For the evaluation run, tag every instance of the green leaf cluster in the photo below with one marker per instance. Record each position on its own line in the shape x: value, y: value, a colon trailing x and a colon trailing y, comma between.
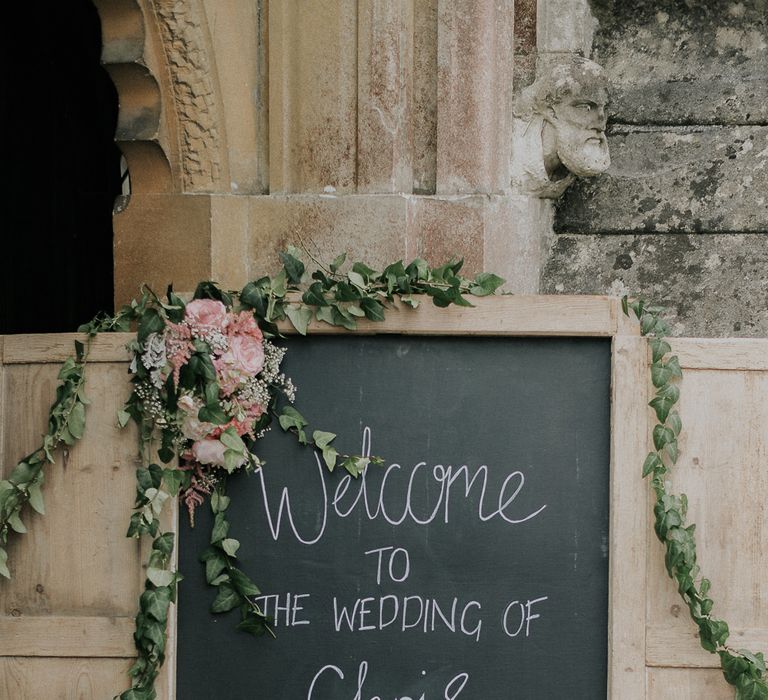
x: 742, y: 669
x: 341, y: 293
x: 152, y: 619
x: 234, y: 589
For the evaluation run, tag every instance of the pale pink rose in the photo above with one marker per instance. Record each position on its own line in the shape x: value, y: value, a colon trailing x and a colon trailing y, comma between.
x: 247, y: 354
x: 206, y: 313
x: 243, y: 359
x: 209, y: 452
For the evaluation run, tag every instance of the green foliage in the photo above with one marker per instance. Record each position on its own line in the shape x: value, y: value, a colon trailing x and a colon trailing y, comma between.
x: 234, y: 589
x: 339, y: 298
x: 742, y: 669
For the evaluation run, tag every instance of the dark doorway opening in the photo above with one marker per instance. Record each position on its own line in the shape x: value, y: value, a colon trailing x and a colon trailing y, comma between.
x: 61, y: 168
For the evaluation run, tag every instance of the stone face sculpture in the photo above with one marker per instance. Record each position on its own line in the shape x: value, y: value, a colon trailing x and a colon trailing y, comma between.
x: 560, y: 128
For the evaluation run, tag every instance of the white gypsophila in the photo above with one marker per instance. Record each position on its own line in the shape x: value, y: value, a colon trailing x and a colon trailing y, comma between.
x: 273, y: 357
x: 214, y: 337
x: 152, y: 403
x: 154, y: 352
x: 288, y: 387
x: 255, y: 391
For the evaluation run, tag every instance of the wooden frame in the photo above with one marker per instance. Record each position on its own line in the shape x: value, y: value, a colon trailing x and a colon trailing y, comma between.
x: 519, y: 316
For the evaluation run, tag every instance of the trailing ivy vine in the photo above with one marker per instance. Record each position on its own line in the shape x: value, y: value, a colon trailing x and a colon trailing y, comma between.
x: 66, y: 425
x: 742, y: 669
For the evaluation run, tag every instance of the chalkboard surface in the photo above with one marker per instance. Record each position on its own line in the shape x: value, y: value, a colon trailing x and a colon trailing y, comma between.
x: 473, y: 565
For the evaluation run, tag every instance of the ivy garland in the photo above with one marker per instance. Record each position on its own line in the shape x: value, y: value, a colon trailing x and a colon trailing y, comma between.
x: 192, y: 389
x: 742, y: 669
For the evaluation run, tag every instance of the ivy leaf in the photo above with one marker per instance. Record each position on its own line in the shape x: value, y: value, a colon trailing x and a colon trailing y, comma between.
x: 659, y: 348
x: 231, y: 440
x: 294, y: 268
x: 213, y: 414
x: 15, y: 522
x: 291, y: 418
x: 357, y: 279
x: 230, y: 546
x: 226, y: 599
x: 364, y: 271
x: 665, y: 399
x: 674, y: 422
x: 338, y: 261
x: 122, y: 418
x: 242, y: 583
x: 76, y: 422
x: 485, y: 283
x: 749, y: 688
x: 219, y: 502
x: 253, y: 624
x: 220, y: 528
x: 315, y: 295
x: 374, y: 310
x: 36, y: 497
x: 150, y: 322
x: 652, y: 463
x: 160, y: 577
x: 299, y: 316
x: 662, y: 435
x: 3, y: 564
x: 322, y: 439
x: 172, y: 479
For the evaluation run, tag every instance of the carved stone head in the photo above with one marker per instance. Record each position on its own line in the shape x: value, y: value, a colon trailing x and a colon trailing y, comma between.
x: 565, y: 109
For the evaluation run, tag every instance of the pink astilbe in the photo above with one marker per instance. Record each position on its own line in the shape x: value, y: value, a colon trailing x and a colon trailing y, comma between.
x: 178, y: 347
x: 200, y: 486
x: 244, y: 324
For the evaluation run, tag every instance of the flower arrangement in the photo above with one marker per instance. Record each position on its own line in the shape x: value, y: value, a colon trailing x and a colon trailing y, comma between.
x: 220, y: 414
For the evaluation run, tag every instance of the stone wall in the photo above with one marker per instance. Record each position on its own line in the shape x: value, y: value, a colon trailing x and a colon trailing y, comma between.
x: 682, y: 213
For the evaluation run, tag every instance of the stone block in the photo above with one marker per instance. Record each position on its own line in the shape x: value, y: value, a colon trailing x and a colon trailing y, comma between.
x: 370, y: 228
x: 674, y: 179
x: 161, y: 240
x: 440, y: 229
x: 714, y: 285
x: 685, y: 63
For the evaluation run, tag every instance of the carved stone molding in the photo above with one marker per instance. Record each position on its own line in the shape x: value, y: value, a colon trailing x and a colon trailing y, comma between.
x: 189, y: 58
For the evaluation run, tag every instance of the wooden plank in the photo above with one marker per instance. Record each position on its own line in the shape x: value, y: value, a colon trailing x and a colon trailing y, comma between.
x: 57, y: 347
x: 628, y: 499
x: 666, y: 646
x: 29, y: 678
x: 57, y: 635
x: 722, y: 353
x: 687, y: 684
x: 503, y: 315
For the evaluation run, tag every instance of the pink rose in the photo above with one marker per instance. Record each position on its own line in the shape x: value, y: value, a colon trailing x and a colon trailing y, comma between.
x: 243, y: 359
x: 206, y: 313
x: 209, y: 452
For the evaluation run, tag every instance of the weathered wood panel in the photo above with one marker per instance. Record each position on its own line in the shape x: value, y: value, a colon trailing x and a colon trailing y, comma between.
x: 724, y: 445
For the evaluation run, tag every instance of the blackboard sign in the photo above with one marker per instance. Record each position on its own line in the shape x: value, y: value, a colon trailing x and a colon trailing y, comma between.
x: 472, y: 565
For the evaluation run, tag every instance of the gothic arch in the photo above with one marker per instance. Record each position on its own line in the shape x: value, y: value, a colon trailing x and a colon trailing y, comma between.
x: 159, y: 56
